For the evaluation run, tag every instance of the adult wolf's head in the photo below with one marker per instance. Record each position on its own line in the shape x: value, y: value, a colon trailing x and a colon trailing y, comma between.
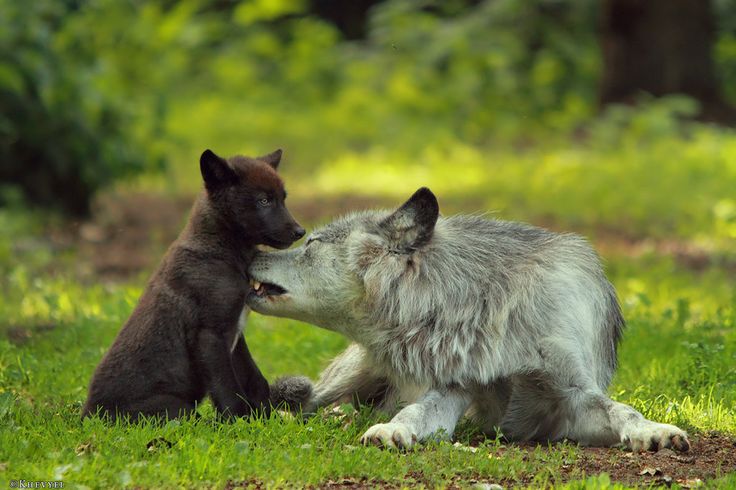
x: 340, y: 276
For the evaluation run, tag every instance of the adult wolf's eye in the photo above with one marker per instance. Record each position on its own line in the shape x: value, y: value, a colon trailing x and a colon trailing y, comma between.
x: 264, y: 202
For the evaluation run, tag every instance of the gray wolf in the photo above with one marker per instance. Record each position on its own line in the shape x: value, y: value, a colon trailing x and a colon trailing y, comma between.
x: 511, y: 324
x: 183, y: 339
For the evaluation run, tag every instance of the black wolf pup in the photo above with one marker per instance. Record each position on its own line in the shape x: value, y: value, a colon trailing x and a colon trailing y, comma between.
x: 183, y: 340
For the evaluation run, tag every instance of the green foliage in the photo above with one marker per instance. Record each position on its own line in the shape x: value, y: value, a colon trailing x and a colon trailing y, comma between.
x: 499, y: 71
x: 469, y: 105
x: 725, y: 45
x: 139, y: 81
x: 61, y: 137
x: 637, y: 173
x: 182, y: 77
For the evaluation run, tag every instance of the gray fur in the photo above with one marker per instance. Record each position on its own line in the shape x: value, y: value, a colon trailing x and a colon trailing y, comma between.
x: 514, y: 324
x: 291, y: 392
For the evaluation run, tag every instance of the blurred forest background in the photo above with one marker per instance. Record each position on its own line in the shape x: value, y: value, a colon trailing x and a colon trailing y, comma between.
x: 612, y: 118
x: 577, y: 112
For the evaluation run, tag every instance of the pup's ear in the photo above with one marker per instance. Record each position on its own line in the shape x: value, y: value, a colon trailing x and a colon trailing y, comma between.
x: 273, y: 158
x: 215, y: 171
x: 412, y: 224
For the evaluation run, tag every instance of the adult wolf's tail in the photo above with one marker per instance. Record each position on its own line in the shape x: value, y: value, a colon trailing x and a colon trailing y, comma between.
x: 291, y: 392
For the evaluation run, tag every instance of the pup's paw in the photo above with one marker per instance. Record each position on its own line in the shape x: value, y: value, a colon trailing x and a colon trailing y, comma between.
x: 391, y: 435
x: 654, y: 436
x: 291, y: 392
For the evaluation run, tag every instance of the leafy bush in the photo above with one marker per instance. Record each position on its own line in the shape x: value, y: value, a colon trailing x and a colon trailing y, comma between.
x: 497, y: 71
x: 91, y: 90
x: 641, y: 172
x: 61, y: 138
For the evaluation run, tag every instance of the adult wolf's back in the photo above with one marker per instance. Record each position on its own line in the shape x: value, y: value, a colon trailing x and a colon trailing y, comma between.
x: 513, y: 323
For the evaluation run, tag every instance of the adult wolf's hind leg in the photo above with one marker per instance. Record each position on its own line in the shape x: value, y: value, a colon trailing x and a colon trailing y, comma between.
x: 629, y: 426
x: 590, y: 418
x: 534, y: 411
x: 489, y: 405
x: 544, y: 408
x: 349, y: 377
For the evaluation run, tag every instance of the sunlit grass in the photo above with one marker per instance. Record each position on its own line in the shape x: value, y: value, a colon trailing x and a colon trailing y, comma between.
x: 676, y: 365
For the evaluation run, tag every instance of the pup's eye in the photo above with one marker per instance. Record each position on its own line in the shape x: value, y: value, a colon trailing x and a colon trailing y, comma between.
x: 264, y: 202
x: 310, y: 240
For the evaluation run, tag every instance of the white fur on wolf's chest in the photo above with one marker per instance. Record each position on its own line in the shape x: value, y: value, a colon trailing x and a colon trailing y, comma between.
x: 241, y: 326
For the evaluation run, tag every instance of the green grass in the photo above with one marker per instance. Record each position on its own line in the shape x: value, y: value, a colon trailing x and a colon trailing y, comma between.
x: 460, y: 105
x: 677, y: 365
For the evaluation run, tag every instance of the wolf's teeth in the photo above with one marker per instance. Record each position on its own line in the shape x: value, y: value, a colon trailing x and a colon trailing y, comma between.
x: 256, y: 285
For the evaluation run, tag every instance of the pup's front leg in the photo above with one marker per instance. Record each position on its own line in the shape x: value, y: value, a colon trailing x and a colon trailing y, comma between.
x: 251, y: 379
x: 437, y: 410
x: 219, y: 375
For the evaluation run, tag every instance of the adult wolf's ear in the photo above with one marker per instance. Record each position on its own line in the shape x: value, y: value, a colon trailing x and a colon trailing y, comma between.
x: 413, y: 223
x: 273, y: 158
x: 215, y: 171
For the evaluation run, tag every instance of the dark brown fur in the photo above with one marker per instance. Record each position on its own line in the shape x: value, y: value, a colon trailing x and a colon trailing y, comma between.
x: 182, y: 341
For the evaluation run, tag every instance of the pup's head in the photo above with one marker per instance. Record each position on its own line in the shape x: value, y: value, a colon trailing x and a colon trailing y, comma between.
x: 248, y: 195
x: 352, y: 269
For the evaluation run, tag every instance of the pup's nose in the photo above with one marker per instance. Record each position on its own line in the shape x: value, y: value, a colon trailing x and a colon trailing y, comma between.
x: 298, y: 232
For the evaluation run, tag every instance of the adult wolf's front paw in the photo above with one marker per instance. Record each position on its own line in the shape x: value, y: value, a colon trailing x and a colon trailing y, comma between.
x: 393, y: 434
x: 654, y: 436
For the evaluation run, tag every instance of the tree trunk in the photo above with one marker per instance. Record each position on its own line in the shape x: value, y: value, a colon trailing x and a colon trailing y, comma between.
x: 661, y: 47
x: 349, y: 16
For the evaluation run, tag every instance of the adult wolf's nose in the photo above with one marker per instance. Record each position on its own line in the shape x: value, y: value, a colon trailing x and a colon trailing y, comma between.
x: 298, y: 233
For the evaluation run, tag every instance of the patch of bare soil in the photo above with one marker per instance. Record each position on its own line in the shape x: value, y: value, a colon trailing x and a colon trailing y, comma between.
x: 129, y: 233
x: 21, y: 335
x: 710, y: 456
x: 686, y: 254
x: 250, y: 484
